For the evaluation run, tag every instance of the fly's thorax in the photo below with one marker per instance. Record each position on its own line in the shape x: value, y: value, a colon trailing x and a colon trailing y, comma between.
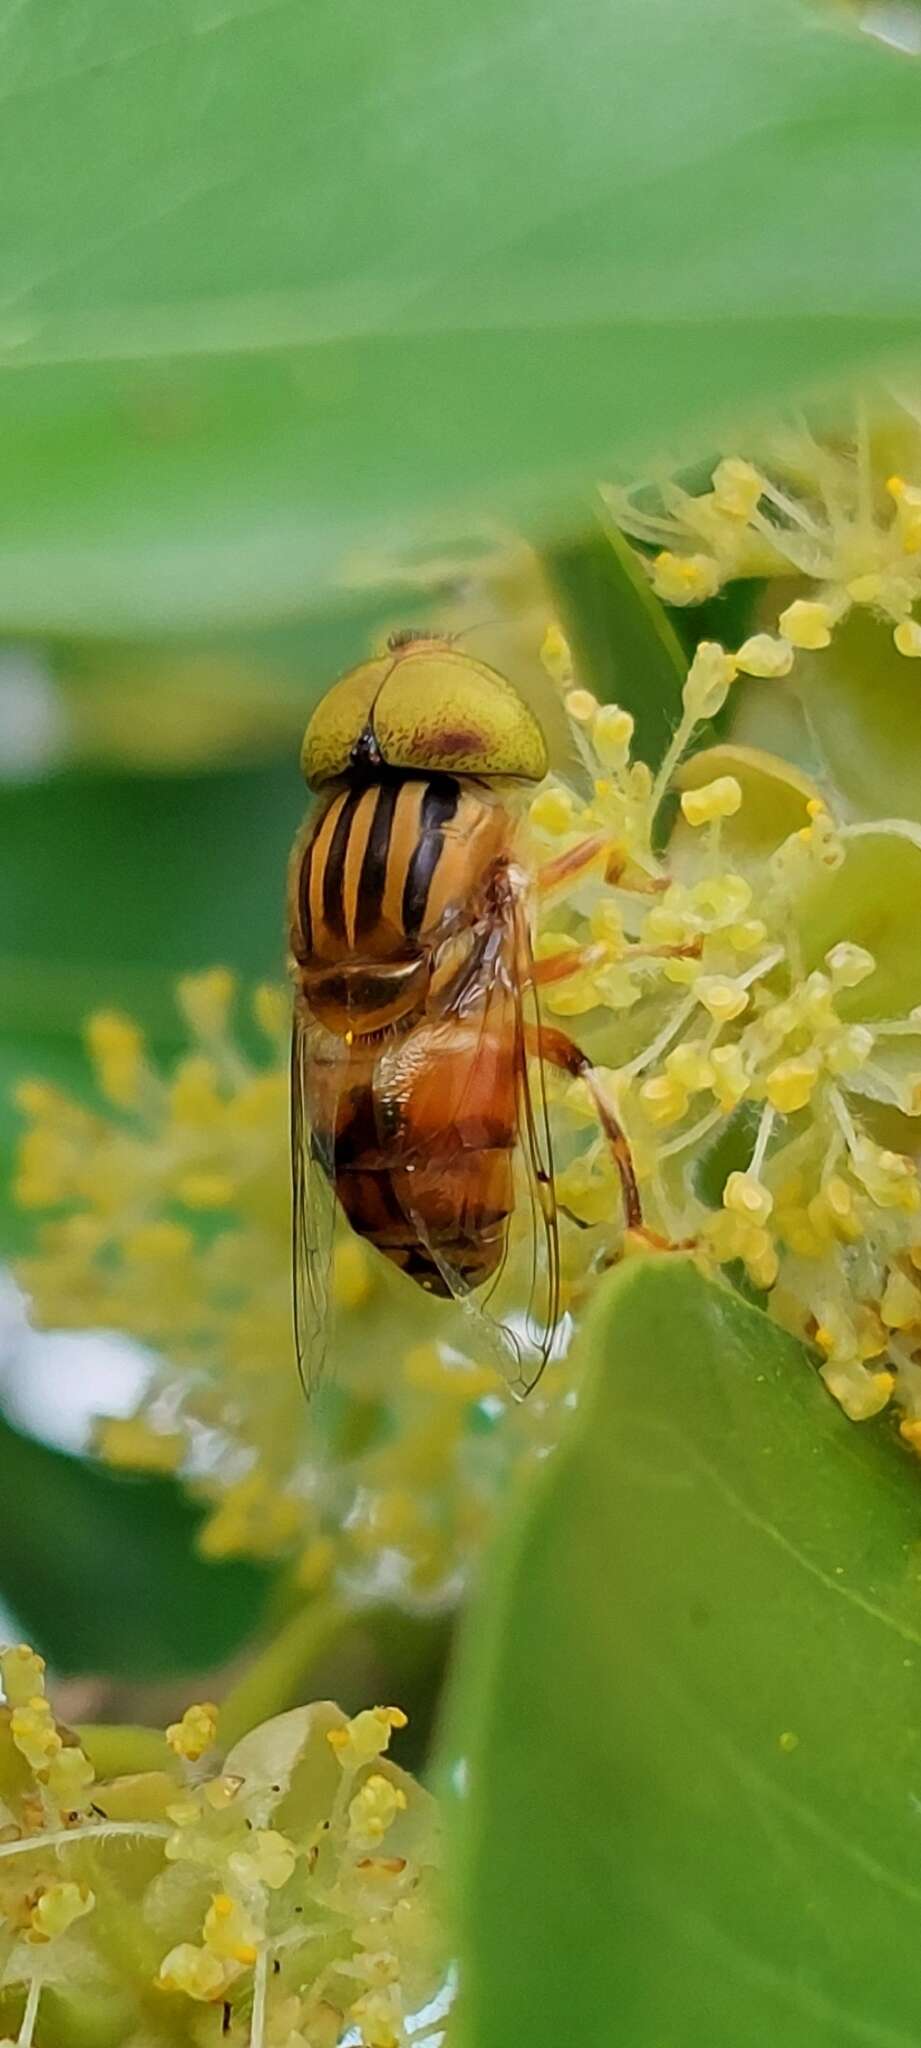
x: 386, y: 881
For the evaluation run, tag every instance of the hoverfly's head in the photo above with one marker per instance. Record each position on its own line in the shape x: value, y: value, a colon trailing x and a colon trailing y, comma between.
x: 424, y: 707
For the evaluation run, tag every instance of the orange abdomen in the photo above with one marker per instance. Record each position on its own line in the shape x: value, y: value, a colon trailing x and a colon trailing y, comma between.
x: 422, y: 1153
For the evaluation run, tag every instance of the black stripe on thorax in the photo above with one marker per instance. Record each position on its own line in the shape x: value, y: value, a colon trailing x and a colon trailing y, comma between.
x: 374, y: 865
x: 438, y: 808
x: 304, y: 898
x: 334, y: 870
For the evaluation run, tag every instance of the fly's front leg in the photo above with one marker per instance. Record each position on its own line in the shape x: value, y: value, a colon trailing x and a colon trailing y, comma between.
x: 553, y: 967
x: 599, y: 852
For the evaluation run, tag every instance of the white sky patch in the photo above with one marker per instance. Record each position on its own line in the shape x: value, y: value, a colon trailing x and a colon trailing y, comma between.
x: 55, y: 1383
x: 33, y: 717
x: 896, y: 22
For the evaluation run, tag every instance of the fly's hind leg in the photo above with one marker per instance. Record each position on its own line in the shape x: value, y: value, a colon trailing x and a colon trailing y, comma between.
x: 559, y: 1050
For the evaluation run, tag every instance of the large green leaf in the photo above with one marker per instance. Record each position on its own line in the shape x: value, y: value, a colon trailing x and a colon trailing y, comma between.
x: 624, y: 645
x: 102, y: 1573
x: 111, y: 885
x: 862, y: 704
x: 687, y: 1705
x: 283, y: 286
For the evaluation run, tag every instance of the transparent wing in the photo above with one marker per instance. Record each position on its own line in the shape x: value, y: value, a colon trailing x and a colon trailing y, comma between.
x: 313, y: 1203
x: 483, y: 1097
x: 542, y: 1314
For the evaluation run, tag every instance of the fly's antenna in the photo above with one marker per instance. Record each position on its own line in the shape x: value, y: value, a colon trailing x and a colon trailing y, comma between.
x: 406, y: 636
x: 478, y: 626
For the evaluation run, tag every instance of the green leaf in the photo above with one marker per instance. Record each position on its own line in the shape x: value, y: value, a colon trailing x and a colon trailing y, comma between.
x: 284, y: 289
x: 862, y: 704
x: 625, y: 648
x: 111, y: 885
x: 687, y: 1705
x: 102, y: 1573
x: 872, y: 899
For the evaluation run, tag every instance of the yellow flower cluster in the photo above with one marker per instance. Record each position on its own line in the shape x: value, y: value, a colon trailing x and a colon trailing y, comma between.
x: 844, y: 518
x: 287, y: 1901
x: 171, y: 1221
x: 728, y: 1038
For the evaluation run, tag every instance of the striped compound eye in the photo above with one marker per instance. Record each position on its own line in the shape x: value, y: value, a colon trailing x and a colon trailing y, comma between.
x: 424, y: 707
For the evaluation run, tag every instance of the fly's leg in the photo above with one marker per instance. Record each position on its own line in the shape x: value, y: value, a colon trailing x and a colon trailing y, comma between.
x: 555, y: 967
x: 559, y: 1050
x: 595, y: 851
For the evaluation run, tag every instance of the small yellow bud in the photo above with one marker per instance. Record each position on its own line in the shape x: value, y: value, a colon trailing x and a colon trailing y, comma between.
x: 719, y: 799
x: 555, y: 655
x: 737, y: 487
x: 366, y: 1736
x: 689, y: 1067
x: 747, y: 1196
x: 907, y: 637
x: 722, y: 997
x: 69, y: 1778
x: 581, y: 706
x: 790, y: 1085
x: 807, y: 623
x: 872, y: 1336
x: 730, y: 1079
x: 116, y: 1049
x: 761, y: 1260
x: 373, y: 1810
x: 763, y: 655
x: 377, y: 2021
x: 900, y: 1307
x: 133, y: 1444
x: 193, y: 1970
x: 849, y: 964
x: 866, y: 589
x: 268, y: 1858
x: 839, y: 1203
x: 196, y: 1733
x: 850, y: 1050
x: 57, y: 1909
x: 23, y: 1674
x: 860, y: 1393
x: 228, y: 1931
x: 612, y: 734
x: 205, y: 1000
x: 34, y: 1733
x: 553, y: 810
x: 684, y: 579
x: 709, y: 678
x: 352, y: 1276
x: 271, y: 1010
x: 747, y: 936
x: 721, y: 899
x: 664, y: 1099
x: 907, y: 512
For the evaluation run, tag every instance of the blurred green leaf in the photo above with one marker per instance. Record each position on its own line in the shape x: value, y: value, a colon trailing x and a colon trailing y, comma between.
x: 873, y: 900
x: 102, y: 1573
x: 110, y: 886
x: 687, y: 1705
x: 624, y: 646
x: 862, y: 703
x: 285, y: 290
